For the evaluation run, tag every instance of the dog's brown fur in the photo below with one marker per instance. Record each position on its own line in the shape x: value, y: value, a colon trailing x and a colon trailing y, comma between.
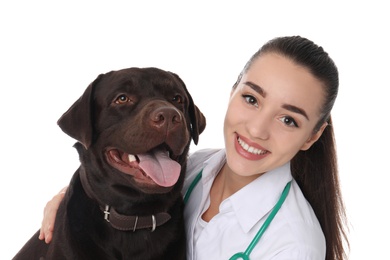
x: 130, y: 111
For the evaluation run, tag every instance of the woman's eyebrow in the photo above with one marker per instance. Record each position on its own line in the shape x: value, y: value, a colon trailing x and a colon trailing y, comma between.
x: 256, y: 88
x: 295, y: 109
x: 291, y: 108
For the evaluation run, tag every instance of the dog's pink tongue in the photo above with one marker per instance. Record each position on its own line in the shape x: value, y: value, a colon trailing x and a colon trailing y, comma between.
x: 163, y: 170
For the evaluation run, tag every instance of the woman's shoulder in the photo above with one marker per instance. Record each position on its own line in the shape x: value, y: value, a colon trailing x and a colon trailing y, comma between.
x: 196, y: 162
x: 205, y: 152
x: 200, y: 156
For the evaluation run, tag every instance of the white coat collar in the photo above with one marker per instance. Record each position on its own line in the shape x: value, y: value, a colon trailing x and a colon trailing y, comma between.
x: 254, y: 201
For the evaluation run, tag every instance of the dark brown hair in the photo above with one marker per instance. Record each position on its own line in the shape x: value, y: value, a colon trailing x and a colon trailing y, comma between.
x: 315, y: 169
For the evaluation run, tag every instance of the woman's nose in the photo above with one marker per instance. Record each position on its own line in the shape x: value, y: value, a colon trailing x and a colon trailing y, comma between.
x: 259, y: 126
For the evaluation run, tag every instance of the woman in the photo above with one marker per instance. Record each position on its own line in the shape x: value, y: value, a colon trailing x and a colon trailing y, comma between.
x: 279, y: 154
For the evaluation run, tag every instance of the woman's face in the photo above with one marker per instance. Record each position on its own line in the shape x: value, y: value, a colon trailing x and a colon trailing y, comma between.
x: 271, y: 115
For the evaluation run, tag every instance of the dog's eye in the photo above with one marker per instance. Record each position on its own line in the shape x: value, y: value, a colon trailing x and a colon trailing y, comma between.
x: 122, y: 99
x: 178, y: 99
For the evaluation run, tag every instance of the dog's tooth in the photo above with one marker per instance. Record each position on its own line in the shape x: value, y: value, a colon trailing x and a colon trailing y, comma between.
x: 132, y: 158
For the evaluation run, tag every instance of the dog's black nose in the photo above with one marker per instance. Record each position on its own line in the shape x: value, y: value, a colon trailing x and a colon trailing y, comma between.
x: 165, y: 117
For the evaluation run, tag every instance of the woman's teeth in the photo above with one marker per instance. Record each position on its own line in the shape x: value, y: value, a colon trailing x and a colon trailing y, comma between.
x: 250, y: 149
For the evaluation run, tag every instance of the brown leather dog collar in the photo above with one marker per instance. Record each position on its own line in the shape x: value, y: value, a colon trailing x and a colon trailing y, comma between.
x: 124, y: 222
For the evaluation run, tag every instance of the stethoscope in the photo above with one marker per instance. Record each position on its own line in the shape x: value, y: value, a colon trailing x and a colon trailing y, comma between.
x: 248, y: 251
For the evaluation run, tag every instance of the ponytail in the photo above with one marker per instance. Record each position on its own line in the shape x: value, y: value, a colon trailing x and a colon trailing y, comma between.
x: 316, y: 173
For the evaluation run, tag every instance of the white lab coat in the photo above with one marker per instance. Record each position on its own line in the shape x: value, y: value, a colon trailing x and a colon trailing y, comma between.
x: 294, y: 233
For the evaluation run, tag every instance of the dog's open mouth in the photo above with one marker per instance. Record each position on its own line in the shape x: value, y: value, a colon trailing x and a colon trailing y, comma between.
x: 153, y: 167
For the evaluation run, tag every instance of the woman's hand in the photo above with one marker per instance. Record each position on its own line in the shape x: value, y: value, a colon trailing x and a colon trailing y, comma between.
x: 49, y: 216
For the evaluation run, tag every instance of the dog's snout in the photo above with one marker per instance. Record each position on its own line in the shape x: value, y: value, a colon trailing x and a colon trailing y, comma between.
x: 165, y: 117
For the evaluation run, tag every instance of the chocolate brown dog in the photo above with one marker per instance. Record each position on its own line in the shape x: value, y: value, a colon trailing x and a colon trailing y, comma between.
x: 134, y: 127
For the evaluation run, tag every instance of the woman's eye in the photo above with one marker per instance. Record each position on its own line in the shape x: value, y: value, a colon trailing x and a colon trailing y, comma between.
x: 250, y: 100
x: 122, y: 99
x: 289, y: 121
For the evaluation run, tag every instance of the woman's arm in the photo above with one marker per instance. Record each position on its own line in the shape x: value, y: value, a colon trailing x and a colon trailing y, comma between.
x: 49, y: 216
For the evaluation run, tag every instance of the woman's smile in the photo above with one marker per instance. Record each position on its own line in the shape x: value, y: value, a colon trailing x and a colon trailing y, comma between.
x: 249, y: 150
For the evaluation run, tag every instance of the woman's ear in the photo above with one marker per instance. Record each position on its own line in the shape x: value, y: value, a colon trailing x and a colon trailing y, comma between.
x: 314, y: 137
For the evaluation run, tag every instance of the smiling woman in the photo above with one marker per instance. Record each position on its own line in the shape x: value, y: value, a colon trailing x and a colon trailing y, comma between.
x: 277, y: 123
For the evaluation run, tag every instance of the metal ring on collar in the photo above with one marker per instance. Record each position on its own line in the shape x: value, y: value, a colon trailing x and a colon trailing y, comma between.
x: 135, y: 223
x: 153, y: 223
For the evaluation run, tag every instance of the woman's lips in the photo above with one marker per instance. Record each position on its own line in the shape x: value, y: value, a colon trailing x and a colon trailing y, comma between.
x: 248, y: 149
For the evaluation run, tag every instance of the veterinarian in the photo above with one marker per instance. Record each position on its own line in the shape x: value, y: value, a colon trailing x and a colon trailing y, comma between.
x: 273, y: 191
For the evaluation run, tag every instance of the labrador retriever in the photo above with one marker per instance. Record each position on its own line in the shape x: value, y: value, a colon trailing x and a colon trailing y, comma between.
x: 133, y: 129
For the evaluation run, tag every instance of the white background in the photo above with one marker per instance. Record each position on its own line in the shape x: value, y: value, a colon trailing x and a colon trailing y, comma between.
x: 51, y: 51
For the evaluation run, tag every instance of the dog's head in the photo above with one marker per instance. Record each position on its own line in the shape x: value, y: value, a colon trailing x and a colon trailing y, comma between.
x: 135, y: 124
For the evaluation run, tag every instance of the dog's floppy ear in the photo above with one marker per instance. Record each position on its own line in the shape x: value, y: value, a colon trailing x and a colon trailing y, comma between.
x: 77, y: 121
x: 198, y: 120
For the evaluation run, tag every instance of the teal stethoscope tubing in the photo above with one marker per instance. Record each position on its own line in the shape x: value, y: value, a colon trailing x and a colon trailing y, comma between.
x: 248, y: 251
